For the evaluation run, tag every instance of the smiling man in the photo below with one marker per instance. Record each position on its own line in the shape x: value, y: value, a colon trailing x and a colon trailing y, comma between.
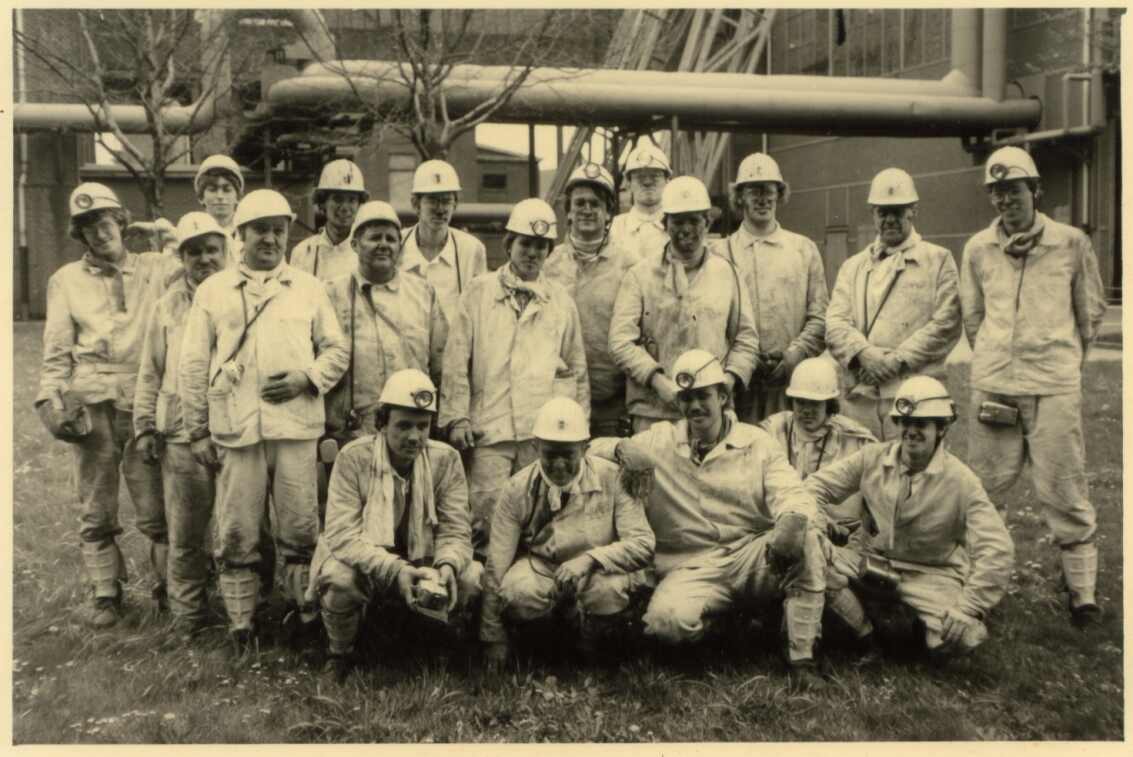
x: 330, y: 253
x: 219, y: 185
x: 930, y: 537
x: 895, y: 309
x: 1033, y: 301
x: 160, y: 435
x: 262, y: 346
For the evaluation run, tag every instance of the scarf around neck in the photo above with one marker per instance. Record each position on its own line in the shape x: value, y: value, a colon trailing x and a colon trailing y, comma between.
x: 378, y: 521
x: 520, y: 292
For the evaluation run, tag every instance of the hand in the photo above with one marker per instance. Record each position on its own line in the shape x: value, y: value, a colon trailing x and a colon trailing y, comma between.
x: 460, y: 435
x: 781, y: 372
x: 448, y: 578
x: 204, y: 452
x: 788, y: 542
x: 665, y: 387
x: 893, y: 366
x: 838, y: 533
x: 52, y: 420
x: 953, y: 626
x: 284, y: 386
x: 570, y: 573
x: 496, y: 655
x: 407, y: 579
x: 730, y: 383
x: 148, y: 448
x: 871, y: 362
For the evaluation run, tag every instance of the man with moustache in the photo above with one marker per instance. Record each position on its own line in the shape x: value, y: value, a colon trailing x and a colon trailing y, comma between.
x: 391, y: 322
x: 446, y: 257
x: 515, y: 342
x: 930, y: 537
x: 1032, y: 301
x: 895, y: 309
x: 397, y: 518
x: 731, y: 518
x: 159, y: 429
x: 261, y: 348
x: 676, y: 300
x: 219, y: 185
x: 97, y: 311
x: 591, y: 268
x: 641, y: 229
x: 786, y: 286
x: 330, y: 254
x: 566, y: 539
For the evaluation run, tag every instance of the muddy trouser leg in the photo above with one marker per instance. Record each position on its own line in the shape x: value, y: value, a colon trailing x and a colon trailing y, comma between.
x: 96, y: 470
x: 802, y: 588
x: 490, y: 468
x: 343, y: 594
x: 687, y: 597
x: 931, y: 595
x: 761, y: 401
x: 864, y: 411
x: 527, y: 591
x: 843, y: 603
x: 606, y: 417
x: 266, y: 565
x: 295, y: 514
x: 143, y: 481
x: 190, y: 490
x: 242, y: 489
x: 997, y: 453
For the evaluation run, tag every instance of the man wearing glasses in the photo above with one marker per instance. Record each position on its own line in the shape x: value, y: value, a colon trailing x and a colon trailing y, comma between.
x: 447, y: 258
x: 930, y: 538
x: 786, y: 284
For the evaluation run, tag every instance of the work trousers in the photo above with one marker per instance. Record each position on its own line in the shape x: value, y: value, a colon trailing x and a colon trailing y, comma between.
x: 760, y: 401
x: 606, y: 417
x: 1048, y: 437
x: 690, y: 594
x: 528, y: 590
x: 873, y: 414
x: 489, y: 470
x: 190, y: 491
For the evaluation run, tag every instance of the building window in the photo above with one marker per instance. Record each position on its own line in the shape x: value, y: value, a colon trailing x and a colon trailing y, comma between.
x: 877, y: 43
x: 493, y: 182
x: 401, y: 167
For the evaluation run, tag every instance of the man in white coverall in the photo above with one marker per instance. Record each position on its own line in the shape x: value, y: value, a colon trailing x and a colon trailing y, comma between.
x: 641, y: 229
x: 1032, y: 301
x: 261, y: 348
x: 566, y: 538
x: 515, y: 342
x: 731, y: 518
x: 930, y: 538
x: 219, y: 185
x: 895, y: 308
x: 97, y: 311
x: 786, y: 286
x: 682, y: 298
x: 397, y: 515
x: 329, y: 254
x: 590, y: 266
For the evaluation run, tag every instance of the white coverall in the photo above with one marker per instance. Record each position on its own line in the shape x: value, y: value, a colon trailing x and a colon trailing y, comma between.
x: 263, y: 447
x: 937, y: 527
x: 462, y: 259
x: 532, y: 536
x: 660, y: 314
x: 373, y: 530
x: 593, y: 282
x: 713, y: 522
x: 906, y: 303
x: 500, y: 367
x: 639, y: 233
x: 786, y: 285
x: 326, y: 261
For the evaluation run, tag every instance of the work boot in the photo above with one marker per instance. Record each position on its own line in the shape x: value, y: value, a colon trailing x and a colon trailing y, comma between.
x: 337, y: 667
x: 1080, y: 574
x: 868, y: 650
x: 104, y: 612
x: 244, y: 644
x: 805, y: 676
x: 105, y: 571
x: 159, y: 559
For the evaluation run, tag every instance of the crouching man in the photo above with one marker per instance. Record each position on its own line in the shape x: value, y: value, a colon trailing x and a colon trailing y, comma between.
x: 398, y: 523
x: 731, y: 517
x: 565, y: 537
x: 930, y: 537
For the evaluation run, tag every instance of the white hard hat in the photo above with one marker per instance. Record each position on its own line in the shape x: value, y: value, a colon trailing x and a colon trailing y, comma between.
x: 922, y: 397
x: 342, y: 176
x: 685, y: 194
x: 410, y: 388
x: 697, y: 368
x: 221, y: 163
x: 561, y: 420
x: 533, y: 218
x: 196, y: 224
x: 815, y: 378
x: 647, y: 155
x: 375, y: 210
x: 262, y: 203
x: 435, y: 176
x: 892, y: 186
x: 758, y: 167
x: 91, y: 196
x: 592, y: 174
x: 1009, y: 163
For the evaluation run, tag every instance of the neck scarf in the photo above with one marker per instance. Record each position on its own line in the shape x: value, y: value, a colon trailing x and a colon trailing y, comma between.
x: 379, y: 522
x: 1021, y: 243
x: 113, y: 270
x: 554, y: 492
x: 519, y: 292
x: 583, y: 250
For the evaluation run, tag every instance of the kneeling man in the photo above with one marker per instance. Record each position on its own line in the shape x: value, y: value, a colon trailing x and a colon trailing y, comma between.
x: 564, y: 535
x: 398, y: 523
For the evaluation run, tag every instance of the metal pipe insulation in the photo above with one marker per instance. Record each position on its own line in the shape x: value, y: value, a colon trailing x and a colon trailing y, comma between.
x: 712, y: 108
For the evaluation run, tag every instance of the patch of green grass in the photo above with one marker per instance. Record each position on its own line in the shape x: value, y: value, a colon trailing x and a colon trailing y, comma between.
x: 1037, y: 678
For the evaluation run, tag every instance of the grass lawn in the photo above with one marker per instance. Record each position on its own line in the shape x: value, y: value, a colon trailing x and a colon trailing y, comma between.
x: 1037, y: 678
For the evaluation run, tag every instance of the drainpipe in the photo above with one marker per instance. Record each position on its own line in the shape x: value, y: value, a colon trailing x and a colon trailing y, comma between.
x: 23, y: 258
x: 994, y: 57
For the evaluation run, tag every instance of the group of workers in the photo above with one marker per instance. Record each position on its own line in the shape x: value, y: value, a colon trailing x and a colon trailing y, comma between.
x: 636, y: 416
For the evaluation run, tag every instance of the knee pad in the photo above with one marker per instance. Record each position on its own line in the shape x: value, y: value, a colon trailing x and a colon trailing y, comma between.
x: 846, y: 606
x: 1080, y: 571
x: 802, y: 614
x: 239, y: 589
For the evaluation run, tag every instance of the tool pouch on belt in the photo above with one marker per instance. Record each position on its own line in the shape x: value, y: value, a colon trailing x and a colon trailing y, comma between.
x: 998, y: 414
x: 877, y: 575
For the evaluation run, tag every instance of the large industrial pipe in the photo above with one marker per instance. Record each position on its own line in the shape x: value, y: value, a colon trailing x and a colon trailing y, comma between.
x: 177, y: 119
x: 994, y: 57
x: 712, y: 108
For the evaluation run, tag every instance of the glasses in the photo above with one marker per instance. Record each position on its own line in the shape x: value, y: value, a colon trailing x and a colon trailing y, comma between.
x: 423, y: 398
x: 906, y: 407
